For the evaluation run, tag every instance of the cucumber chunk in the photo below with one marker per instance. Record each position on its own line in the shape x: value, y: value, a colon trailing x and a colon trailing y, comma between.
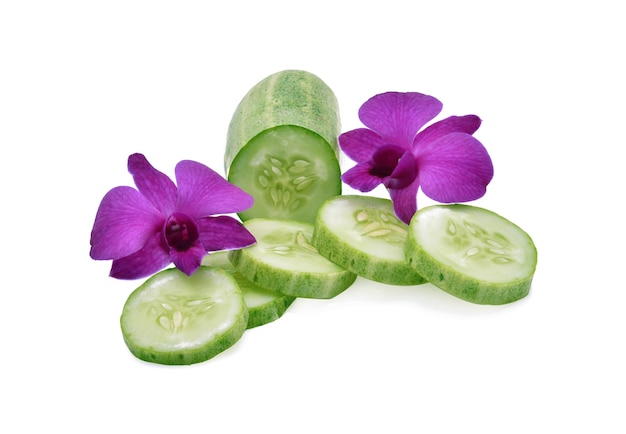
x: 284, y: 260
x: 472, y: 253
x: 282, y: 148
x: 175, y: 319
x: 264, y: 305
x: 362, y: 234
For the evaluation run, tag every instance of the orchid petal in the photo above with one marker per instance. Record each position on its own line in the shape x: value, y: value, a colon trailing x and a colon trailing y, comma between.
x: 223, y: 233
x: 157, y: 187
x: 188, y: 261
x: 454, y: 168
x: 360, y: 178
x: 454, y: 124
x: 124, y: 222
x: 405, y: 201
x: 203, y: 192
x: 152, y: 258
x: 397, y: 117
x: 360, y: 144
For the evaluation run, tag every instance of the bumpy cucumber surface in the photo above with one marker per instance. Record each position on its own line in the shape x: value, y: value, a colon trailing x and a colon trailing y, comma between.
x: 472, y: 253
x: 362, y: 234
x: 284, y: 260
x: 175, y: 319
x: 282, y: 146
x: 264, y: 305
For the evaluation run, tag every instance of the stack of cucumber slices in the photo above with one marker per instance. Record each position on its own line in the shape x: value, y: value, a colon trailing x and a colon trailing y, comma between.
x: 312, y: 241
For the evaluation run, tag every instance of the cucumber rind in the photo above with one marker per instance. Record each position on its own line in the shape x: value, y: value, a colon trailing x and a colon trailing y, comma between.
x: 264, y: 305
x: 316, y: 278
x: 205, y: 344
x: 337, y: 238
x: 458, y: 283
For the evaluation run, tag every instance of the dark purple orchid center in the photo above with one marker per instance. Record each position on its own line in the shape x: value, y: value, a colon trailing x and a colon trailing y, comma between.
x: 180, y: 231
x: 394, y: 163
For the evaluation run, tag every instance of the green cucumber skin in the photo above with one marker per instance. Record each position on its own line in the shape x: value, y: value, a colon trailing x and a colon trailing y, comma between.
x: 459, y: 285
x: 296, y: 284
x: 259, y: 317
x: 290, y: 97
x: 187, y: 356
x: 327, y: 244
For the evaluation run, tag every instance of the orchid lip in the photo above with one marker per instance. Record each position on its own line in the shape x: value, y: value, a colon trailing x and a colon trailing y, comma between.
x: 395, y: 165
x: 180, y: 231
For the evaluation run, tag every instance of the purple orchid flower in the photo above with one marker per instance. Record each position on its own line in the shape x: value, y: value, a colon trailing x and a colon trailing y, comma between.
x: 145, y: 230
x: 444, y: 159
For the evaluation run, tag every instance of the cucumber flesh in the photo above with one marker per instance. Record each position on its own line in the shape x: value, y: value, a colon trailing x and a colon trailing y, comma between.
x: 363, y: 235
x: 472, y: 253
x: 264, y: 305
x: 284, y: 260
x: 289, y: 170
x: 175, y: 319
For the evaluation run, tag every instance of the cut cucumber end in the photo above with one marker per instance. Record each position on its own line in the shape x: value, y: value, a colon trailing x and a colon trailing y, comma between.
x: 175, y: 319
x: 289, y: 170
x: 471, y: 253
x: 284, y: 260
x: 264, y: 305
x: 362, y: 234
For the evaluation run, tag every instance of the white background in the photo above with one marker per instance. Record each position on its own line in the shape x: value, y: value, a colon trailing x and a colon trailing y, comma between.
x: 85, y: 84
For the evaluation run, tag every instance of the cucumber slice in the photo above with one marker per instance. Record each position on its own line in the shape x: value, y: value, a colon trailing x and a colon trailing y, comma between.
x: 281, y: 146
x: 362, y: 234
x: 175, y: 319
x: 264, y: 305
x: 472, y: 253
x: 284, y: 260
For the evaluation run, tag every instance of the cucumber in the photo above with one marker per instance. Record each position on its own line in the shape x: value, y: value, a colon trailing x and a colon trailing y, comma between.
x: 282, y: 148
x: 175, y: 319
x: 264, y: 305
x: 362, y: 234
x: 284, y: 260
x: 472, y: 253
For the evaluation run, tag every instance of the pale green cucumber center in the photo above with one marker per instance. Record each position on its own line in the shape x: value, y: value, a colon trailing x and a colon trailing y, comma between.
x: 182, y: 312
x: 287, y: 245
x: 366, y: 226
x: 289, y: 170
x: 478, y: 243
